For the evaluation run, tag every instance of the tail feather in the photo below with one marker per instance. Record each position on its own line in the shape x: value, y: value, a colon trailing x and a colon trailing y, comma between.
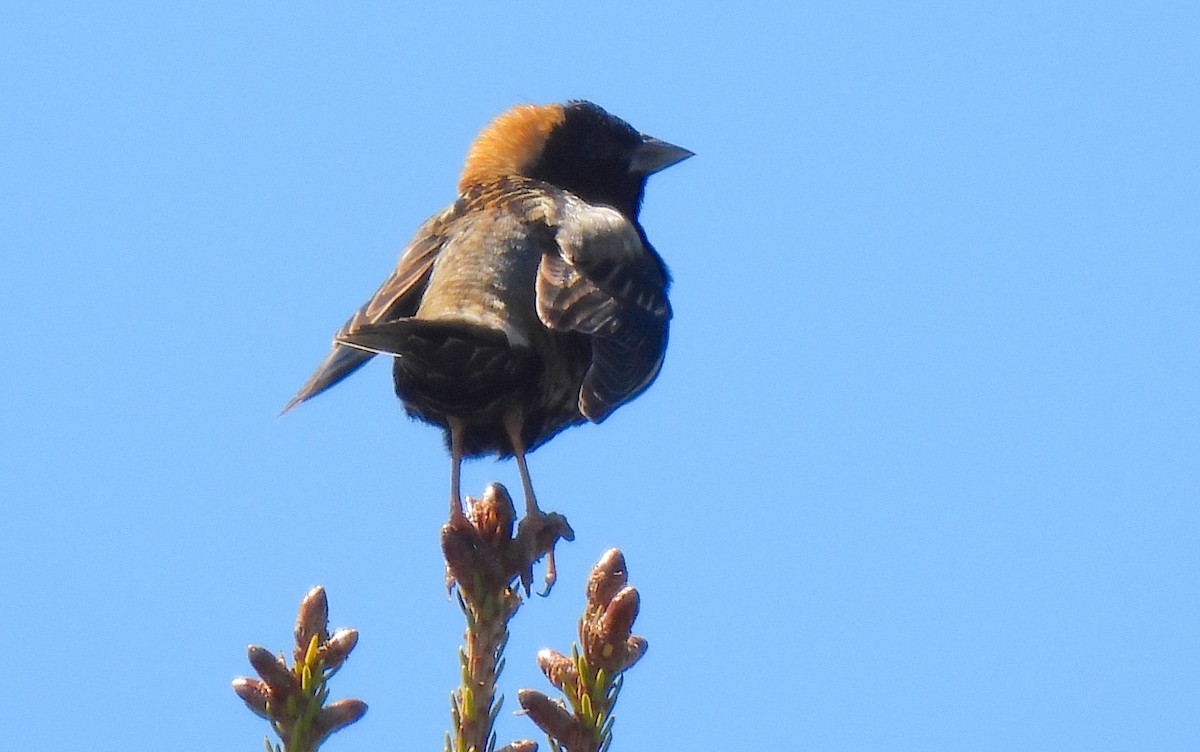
x: 340, y: 363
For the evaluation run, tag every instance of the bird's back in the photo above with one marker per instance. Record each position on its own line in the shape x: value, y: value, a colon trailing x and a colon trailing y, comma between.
x: 475, y: 349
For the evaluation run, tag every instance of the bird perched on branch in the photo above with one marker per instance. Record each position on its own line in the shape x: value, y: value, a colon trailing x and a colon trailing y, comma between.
x: 535, y: 301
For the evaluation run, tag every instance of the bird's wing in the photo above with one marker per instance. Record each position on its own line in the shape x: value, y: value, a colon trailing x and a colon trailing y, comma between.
x: 604, y: 281
x: 399, y: 296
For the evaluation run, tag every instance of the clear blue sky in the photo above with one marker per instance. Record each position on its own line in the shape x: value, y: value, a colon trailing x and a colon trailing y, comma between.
x: 920, y: 471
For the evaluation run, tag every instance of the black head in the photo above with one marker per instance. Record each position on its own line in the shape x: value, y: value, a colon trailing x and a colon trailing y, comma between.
x: 601, y: 158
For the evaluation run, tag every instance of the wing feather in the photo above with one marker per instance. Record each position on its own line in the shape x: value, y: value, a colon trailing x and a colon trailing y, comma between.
x: 397, y: 297
x: 605, y: 281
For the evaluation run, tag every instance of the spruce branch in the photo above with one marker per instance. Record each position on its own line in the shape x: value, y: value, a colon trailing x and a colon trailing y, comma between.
x: 292, y: 698
x: 484, y: 559
x: 591, y: 677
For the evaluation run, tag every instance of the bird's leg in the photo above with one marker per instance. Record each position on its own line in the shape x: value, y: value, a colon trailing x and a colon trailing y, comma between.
x: 456, y: 453
x: 512, y: 424
x: 544, y: 529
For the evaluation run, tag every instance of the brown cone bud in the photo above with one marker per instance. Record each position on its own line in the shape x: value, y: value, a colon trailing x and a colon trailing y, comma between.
x: 617, y: 620
x: 338, y: 715
x: 254, y: 693
x: 607, y: 578
x: 334, y: 652
x: 552, y: 718
x: 494, y: 515
x: 469, y: 559
x: 313, y: 619
x: 558, y: 668
x: 273, y: 671
x: 635, y: 648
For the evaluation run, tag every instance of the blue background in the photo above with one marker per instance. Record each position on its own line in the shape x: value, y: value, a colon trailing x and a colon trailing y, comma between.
x: 920, y: 471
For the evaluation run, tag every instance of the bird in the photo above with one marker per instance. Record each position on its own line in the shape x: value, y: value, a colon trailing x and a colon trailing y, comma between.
x: 534, y: 302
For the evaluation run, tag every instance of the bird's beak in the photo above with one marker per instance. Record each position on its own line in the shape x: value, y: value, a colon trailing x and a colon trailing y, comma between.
x: 654, y: 155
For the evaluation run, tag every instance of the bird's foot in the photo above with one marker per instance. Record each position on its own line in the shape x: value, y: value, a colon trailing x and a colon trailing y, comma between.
x: 483, y: 554
x: 537, y: 535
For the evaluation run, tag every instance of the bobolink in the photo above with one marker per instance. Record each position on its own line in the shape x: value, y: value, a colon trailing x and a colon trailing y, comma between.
x: 534, y: 302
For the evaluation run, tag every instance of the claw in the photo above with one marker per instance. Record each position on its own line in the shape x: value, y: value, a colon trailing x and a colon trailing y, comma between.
x: 551, y: 574
x: 536, y: 537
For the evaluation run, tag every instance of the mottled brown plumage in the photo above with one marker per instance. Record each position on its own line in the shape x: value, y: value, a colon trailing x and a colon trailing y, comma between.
x: 535, y: 301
